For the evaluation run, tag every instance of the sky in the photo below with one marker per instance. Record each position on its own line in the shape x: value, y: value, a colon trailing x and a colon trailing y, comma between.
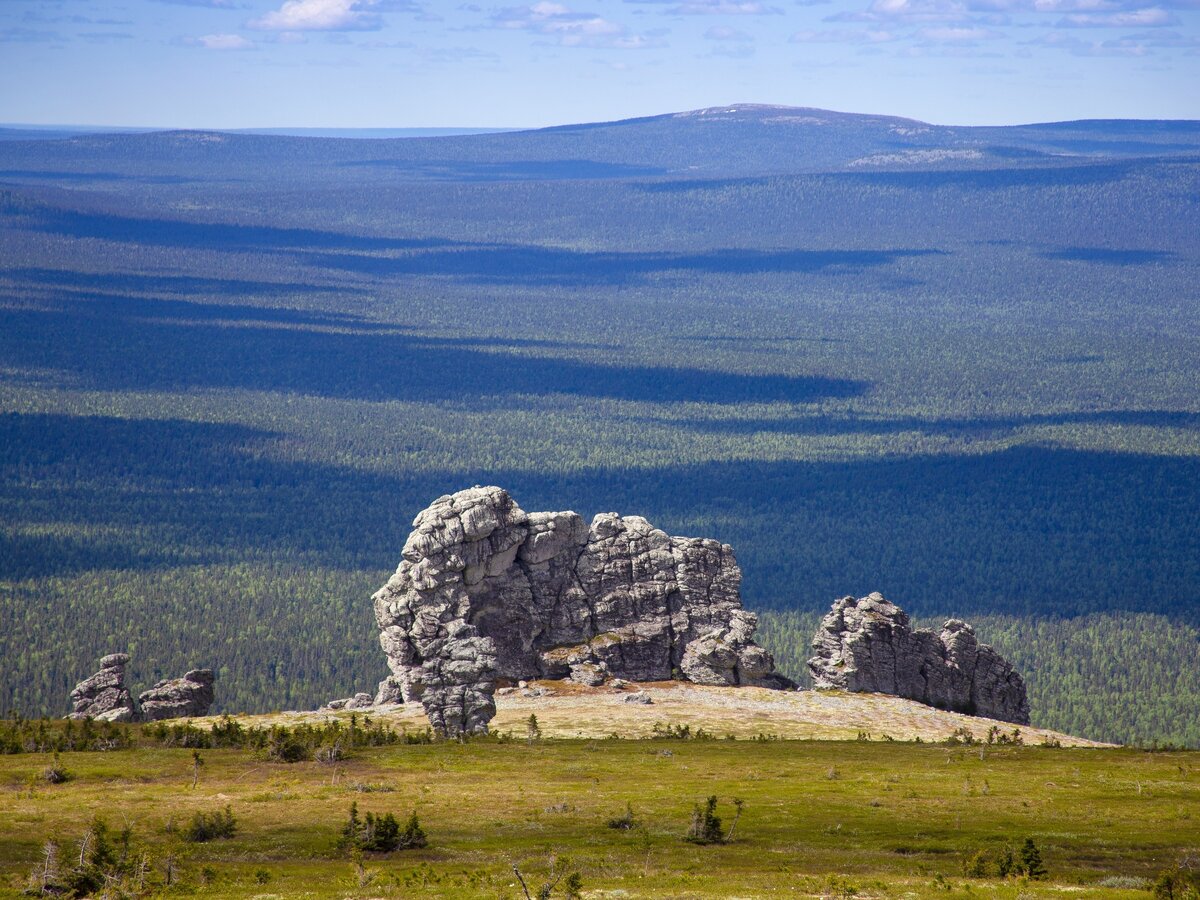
x: 429, y: 63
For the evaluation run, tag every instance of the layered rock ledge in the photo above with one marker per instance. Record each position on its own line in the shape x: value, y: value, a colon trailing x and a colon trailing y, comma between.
x: 486, y: 591
x: 868, y: 645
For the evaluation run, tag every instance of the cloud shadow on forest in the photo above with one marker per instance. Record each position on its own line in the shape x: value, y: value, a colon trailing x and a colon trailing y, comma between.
x: 980, y: 427
x: 165, y: 232
x: 534, y: 265
x: 1024, y: 530
x: 126, y: 345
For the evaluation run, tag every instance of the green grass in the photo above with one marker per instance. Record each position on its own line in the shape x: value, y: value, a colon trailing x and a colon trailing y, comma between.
x: 886, y: 820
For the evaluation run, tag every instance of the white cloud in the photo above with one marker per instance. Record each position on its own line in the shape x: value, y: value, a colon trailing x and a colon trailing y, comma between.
x: 997, y: 11
x: 917, y: 10
x: 1152, y: 17
x: 320, y: 15
x: 221, y: 42
x: 718, y: 7
x: 1119, y: 47
x: 951, y: 34
x: 215, y: 4
x: 569, y: 28
x: 843, y: 36
x: 730, y: 42
x: 725, y: 8
x: 725, y: 33
x: 1165, y: 39
x: 733, y: 50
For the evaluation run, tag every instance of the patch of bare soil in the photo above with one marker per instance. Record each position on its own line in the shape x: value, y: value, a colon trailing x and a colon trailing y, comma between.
x: 568, y: 710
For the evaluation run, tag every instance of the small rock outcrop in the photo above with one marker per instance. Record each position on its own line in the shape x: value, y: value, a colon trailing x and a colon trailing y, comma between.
x: 104, y: 696
x: 176, y: 698
x: 361, y: 700
x: 868, y: 645
x: 486, y: 591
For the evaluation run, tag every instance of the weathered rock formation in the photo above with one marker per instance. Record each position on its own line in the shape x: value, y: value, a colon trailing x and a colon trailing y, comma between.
x: 176, y: 698
x: 487, y: 591
x: 868, y: 645
x: 104, y: 696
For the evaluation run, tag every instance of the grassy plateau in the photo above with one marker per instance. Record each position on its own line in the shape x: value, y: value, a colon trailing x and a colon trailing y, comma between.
x: 866, y: 818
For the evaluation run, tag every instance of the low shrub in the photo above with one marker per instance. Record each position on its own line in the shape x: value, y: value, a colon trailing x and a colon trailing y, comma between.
x: 212, y: 826
x: 625, y: 821
x: 1182, y: 882
x: 55, y: 773
x: 381, y: 834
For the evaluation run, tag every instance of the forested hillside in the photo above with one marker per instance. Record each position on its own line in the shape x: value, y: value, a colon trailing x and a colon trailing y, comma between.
x: 233, y: 368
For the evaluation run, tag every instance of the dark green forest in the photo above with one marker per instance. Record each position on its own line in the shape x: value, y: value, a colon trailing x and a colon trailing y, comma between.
x: 233, y: 369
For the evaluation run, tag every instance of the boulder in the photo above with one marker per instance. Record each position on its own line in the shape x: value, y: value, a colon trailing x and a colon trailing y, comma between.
x: 360, y: 700
x: 868, y: 645
x: 104, y: 696
x: 176, y: 698
x: 486, y: 591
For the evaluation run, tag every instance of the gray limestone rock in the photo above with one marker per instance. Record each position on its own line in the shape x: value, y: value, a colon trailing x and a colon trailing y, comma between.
x: 176, y: 698
x: 389, y: 692
x: 360, y: 700
x: 868, y: 645
x: 104, y: 696
x: 487, y: 591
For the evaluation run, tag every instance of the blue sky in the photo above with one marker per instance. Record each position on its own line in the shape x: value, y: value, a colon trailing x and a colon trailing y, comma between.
x: 406, y: 63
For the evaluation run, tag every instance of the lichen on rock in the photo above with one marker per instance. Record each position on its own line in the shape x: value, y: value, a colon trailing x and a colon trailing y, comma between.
x: 486, y: 591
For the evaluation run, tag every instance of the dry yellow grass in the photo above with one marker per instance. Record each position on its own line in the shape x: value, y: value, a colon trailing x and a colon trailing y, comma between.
x: 567, y: 710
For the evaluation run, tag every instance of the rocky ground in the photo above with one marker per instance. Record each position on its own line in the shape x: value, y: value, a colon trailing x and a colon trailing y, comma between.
x: 568, y: 710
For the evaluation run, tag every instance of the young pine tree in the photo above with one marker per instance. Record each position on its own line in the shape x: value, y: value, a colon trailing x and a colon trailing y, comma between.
x: 1031, y: 860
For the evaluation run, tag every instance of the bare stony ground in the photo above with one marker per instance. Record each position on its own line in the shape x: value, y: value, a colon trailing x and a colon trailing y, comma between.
x: 568, y: 710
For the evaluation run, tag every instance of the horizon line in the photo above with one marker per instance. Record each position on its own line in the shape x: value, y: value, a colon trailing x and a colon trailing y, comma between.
x: 451, y: 130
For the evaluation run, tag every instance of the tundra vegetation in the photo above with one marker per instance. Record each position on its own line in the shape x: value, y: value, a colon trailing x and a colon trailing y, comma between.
x: 498, y: 816
x: 233, y: 368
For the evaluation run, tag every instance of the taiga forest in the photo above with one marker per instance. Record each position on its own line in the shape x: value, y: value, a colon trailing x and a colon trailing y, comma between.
x: 955, y: 365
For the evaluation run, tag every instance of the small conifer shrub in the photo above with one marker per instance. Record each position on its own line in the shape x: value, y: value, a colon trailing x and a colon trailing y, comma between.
x: 706, y: 824
x: 382, y: 834
x: 1031, y: 861
x: 212, y: 826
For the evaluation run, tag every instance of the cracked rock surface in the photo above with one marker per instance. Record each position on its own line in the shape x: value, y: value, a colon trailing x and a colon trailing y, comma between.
x: 486, y: 591
x: 104, y: 696
x: 867, y: 645
x: 175, y: 698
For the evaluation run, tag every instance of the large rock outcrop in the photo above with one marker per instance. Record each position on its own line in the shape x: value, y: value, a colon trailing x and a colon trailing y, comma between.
x: 104, y: 696
x: 176, y: 698
x: 487, y: 591
x: 868, y: 645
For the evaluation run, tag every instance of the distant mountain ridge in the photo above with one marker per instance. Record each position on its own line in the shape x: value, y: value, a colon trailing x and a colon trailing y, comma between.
x: 738, y: 140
